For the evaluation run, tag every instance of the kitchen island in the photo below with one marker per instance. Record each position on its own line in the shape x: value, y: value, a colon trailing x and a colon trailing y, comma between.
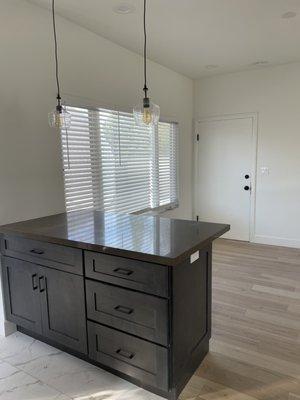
x: 128, y: 293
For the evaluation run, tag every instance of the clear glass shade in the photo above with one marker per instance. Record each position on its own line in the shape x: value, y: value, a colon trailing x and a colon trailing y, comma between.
x: 146, y: 116
x: 59, y: 119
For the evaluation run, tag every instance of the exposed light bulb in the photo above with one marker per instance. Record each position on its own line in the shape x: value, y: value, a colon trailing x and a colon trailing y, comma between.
x: 59, y: 118
x: 147, y: 116
x: 147, y: 113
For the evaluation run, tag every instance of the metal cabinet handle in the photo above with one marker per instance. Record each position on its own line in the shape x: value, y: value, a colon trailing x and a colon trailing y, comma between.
x: 34, y: 281
x: 124, y: 310
x: 37, y: 251
x: 123, y: 271
x: 42, y: 284
x: 125, y: 354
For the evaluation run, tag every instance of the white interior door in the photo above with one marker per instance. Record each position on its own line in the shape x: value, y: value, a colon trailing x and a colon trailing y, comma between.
x: 224, y: 174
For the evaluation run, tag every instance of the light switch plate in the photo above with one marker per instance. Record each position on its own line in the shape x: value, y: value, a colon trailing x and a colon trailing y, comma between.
x: 194, y: 256
x: 264, y: 170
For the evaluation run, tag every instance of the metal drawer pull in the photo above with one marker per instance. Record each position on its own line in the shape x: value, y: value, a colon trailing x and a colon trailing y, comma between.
x: 125, y: 354
x: 37, y: 251
x: 124, y: 310
x: 123, y: 271
x: 34, y: 282
x: 42, y: 285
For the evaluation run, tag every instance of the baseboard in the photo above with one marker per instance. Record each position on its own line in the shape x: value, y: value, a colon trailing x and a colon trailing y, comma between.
x: 7, y: 328
x: 276, y: 241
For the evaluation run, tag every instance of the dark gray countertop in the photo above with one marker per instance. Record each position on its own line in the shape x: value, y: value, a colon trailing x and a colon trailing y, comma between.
x: 142, y: 237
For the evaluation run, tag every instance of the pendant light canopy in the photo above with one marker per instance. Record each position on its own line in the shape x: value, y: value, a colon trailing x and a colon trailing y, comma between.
x: 58, y: 118
x: 147, y: 113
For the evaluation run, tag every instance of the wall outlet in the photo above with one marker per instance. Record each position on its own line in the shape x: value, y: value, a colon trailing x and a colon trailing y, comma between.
x: 194, y: 257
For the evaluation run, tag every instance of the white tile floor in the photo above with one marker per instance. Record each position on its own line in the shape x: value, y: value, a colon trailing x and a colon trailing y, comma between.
x: 32, y: 370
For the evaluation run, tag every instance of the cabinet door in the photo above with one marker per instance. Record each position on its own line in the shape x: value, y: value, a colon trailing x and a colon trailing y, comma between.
x: 63, y: 308
x: 21, y: 293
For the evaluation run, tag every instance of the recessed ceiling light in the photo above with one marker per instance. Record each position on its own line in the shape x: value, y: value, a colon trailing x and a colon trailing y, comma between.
x: 289, y: 14
x: 124, y: 8
x: 260, y: 62
x: 211, y: 66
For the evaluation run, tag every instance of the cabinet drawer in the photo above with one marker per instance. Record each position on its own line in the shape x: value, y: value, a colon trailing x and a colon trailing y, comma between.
x: 56, y: 256
x: 136, y: 313
x: 137, y: 358
x: 138, y: 275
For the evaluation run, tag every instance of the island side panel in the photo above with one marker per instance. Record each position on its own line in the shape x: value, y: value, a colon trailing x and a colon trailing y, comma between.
x: 191, y: 317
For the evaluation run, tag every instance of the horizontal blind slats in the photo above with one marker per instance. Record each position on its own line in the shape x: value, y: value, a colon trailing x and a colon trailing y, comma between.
x: 109, y: 162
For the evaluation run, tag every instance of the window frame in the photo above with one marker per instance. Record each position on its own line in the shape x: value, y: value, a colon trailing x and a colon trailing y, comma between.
x: 91, y: 107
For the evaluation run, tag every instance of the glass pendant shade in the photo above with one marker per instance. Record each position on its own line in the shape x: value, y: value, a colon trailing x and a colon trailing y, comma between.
x: 146, y: 116
x: 59, y: 119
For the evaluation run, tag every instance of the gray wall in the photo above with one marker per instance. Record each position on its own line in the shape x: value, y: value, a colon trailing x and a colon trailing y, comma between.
x: 93, y: 70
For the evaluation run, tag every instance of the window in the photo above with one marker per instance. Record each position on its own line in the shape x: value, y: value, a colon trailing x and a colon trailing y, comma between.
x: 111, y: 164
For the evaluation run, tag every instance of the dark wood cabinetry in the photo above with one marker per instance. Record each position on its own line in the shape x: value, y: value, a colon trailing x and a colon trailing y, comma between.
x: 136, y: 313
x: 191, y: 316
x: 45, y: 301
x: 51, y: 255
x: 21, y: 293
x: 143, y: 315
x: 63, y: 308
x: 143, y: 276
x: 137, y: 358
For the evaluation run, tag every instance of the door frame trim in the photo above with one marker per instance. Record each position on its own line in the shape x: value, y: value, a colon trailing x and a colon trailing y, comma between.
x: 224, y: 117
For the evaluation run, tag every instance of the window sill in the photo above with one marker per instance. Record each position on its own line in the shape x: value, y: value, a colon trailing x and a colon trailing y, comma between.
x: 157, y: 210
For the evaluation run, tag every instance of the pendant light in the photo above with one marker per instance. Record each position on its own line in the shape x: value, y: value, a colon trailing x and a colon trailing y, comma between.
x: 58, y: 118
x: 147, y: 113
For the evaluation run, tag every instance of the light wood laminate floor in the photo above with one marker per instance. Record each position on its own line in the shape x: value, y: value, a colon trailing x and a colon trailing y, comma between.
x: 255, y: 347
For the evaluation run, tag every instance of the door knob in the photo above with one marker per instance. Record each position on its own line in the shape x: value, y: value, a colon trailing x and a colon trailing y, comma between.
x: 246, y: 187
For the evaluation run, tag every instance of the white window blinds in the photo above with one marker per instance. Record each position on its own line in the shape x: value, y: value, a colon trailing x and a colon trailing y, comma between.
x: 113, y: 165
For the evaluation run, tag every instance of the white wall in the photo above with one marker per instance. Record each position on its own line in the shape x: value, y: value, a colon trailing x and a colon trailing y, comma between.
x: 274, y: 93
x: 31, y: 183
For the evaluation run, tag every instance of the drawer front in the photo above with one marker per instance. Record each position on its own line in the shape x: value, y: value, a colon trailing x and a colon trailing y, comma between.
x: 136, y: 313
x: 56, y: 256
x: 137, y: 358
x: 138, y: 275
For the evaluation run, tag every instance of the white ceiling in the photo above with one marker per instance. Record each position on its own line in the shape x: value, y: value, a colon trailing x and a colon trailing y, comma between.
x: 189, y: 35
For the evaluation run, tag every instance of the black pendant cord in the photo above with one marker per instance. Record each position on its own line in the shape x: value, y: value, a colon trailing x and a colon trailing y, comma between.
x: 56, y: 57
x: 59, y: 106
x: 145, y: 89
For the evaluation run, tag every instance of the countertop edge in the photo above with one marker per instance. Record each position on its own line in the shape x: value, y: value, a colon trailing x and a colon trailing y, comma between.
x: 151, y: 258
